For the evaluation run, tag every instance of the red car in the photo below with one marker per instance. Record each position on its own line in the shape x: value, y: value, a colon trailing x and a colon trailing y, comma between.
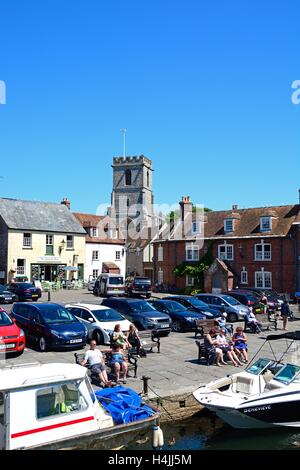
x: 12, y: 338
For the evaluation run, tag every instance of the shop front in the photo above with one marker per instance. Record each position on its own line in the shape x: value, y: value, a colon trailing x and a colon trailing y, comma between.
x: 48, y: 272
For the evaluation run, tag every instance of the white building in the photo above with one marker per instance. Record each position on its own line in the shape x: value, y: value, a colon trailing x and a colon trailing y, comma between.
x: 103, y: 254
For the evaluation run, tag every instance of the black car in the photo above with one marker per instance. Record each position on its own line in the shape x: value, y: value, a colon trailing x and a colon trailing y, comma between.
x: 25, y: 291
x: 49, y: 325
x: 138, y: 286
x: 183, y: 319
x: 274, y: 301
x: 6, y: 296
x: 195, y: 305
x: 246, y: 298
x: 141, y: 313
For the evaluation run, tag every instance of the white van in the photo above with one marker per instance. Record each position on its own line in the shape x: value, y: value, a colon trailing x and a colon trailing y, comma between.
x: 109, y: 284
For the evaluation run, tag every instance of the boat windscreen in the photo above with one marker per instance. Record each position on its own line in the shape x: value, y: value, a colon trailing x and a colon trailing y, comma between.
x: 287, y: 374
x: 259, y: 366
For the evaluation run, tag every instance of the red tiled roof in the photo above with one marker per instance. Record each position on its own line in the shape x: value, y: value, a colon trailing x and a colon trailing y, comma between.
x: 110, y: 241
x: 88, y: 220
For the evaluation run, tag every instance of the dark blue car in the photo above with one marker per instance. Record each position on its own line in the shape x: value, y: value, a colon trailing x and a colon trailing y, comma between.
x: 182, y: 318
x: 25, y: 291
x: 195, y: 305
x: 139, y: 312
x: 50, y: 326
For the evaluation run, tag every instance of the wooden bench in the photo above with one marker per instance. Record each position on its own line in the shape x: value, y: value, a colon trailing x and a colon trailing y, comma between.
x: 209, y: 357
x: 202, y: 327
x: 267, y: 321
x: 131, y: 360
x: 150, y: 340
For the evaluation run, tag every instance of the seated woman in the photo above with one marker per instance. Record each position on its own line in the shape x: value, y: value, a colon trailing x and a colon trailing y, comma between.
x: 119, y: 339
x: 239, y: 340
x: 134, y: 339
x: 254, y: 324
x: 227, y: 348
x: 211, y: 346
x: 118, y: 362
x: 221, y: 322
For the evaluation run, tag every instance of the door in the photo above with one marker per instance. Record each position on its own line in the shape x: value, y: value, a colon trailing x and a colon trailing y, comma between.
x: 84, y: 316
x: 35, y: 328
x: 103, y: 284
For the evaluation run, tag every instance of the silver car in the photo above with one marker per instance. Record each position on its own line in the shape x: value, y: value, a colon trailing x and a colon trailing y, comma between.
x: 225, y: 303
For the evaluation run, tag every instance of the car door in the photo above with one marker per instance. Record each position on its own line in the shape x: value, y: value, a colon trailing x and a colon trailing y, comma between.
x: 85, y: 316
x: 36, y: 325
x: 21, y: 314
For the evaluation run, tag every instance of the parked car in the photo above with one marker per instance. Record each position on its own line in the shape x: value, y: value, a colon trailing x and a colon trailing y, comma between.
x: 91, y: 283
x: 6, y: 296
x: 12, y: 337
x: 109, y: 284
x: 246, y: 298
x: 274, y: 303
x: 183, y: 319
x: 138, y: 286
x: 99, y: 320
x: 141, y: 313
x: 25, y: 291
x: 225, y: 303
x: 195, y: 305
x: 49, y: 325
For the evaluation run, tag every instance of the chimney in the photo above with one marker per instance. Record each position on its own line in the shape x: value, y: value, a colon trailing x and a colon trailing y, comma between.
x: 186, y: 207
x: 234, y: 207
x: 66, y: 202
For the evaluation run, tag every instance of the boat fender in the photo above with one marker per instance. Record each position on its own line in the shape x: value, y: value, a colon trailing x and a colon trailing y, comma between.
x: 160, y: 437
x: 155, y: 437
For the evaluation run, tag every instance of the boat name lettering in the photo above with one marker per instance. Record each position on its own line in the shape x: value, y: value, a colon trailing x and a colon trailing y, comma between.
x: 257, y: 408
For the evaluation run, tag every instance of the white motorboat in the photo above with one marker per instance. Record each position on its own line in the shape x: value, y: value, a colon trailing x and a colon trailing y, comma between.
x: 266, y: 394
x: 53, y: 406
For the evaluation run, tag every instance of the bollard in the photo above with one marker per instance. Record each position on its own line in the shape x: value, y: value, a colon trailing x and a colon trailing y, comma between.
x: 49, y: 296
x: 145, y: 384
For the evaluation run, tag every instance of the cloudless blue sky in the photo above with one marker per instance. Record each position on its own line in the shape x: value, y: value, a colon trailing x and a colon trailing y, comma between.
x: 203, y: 87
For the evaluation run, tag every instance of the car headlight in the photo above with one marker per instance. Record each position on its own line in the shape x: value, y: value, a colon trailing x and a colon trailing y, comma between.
x: 22, y: 333
x: 56, y: 334
x: 190, y: 318
x: 150, y: 320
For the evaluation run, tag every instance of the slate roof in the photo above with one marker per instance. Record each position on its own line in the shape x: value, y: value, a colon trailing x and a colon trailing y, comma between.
x: 38, y: 216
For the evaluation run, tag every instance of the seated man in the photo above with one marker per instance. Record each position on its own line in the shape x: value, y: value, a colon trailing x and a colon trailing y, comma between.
x: 221, y: 321
x: 94, y: 358
x: 251, y: 320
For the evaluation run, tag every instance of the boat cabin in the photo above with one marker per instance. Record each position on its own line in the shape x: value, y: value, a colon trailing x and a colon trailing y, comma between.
x: 46, y: 403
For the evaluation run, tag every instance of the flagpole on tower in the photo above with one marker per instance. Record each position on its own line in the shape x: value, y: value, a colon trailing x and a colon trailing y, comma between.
x: 124, y: 141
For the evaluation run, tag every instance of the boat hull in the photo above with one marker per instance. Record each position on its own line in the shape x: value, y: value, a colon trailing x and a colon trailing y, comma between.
x: 103, y: 439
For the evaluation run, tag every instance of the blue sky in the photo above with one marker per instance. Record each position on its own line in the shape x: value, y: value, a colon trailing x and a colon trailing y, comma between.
x: 203, y: 87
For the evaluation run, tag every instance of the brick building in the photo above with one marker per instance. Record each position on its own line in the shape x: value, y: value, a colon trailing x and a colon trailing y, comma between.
x: 255, y: 247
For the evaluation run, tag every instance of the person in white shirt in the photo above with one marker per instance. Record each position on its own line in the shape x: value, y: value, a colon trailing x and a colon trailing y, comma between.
x: 94, y: 358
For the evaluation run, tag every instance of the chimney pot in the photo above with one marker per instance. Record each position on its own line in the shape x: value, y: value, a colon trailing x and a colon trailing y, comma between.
x: 234, y: 207
x: 66, y: 202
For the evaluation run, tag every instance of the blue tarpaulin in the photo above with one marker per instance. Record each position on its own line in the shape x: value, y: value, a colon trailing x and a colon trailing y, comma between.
x: 124, y: 404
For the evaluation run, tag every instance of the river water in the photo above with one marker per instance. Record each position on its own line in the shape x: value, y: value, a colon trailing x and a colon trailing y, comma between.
x: 207, y: 432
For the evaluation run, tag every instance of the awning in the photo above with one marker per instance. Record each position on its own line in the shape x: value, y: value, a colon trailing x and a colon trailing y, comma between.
x: 112, y: 268
x: 70, y: 268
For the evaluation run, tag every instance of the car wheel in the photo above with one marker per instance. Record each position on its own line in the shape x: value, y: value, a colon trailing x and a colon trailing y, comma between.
x: 42, y: 344
x: 232, y: 317
x: 176, y: 326
x: 98, y: 337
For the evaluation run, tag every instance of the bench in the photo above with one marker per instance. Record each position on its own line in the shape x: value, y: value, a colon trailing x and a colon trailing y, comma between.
x: 202, y: 327
x: 150, y: 340
x: 210, y: 357
x: 267, y: 321
x: 131, y: 360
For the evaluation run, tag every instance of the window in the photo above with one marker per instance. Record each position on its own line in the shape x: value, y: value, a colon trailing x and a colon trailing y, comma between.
x: 244, y: 276
x: 70, y: 242
x: 148, y: 179
x: 95, y: 273
x: 118, y: 255
x: 57, y: 400
x: 192, y: 253
x: 263, y: 280
x: 190, y: 281
x: 225, y: 252
x: 196, y: 227
x: 128, y: 177
x: 160, y: 277
x: 49, y: 244
x: 94, y: 232
x: 228, y: 225
x: 95, y: 255
x: 265, y: 224
x: 21, y: 267
x: 160, y: 253
x: 27, y: 240
x: 263, y: 252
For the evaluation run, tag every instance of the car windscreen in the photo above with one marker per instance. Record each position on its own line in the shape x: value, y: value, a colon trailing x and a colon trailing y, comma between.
x: 174, y: 306
x: 25, y: 285
x: 5, y: 320
x: 115, y: 281
x: 108, y: 315
x: 142, y: 280
x: 141, y: 306
x: 57, y: 314
x: 230, y: 300
x: 196, y: 302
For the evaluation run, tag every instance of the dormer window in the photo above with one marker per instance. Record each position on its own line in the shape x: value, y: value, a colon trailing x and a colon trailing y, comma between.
x: 228, y: 225
x: 265, y: 224
x: 196, y: 227
x: 94, y: 231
